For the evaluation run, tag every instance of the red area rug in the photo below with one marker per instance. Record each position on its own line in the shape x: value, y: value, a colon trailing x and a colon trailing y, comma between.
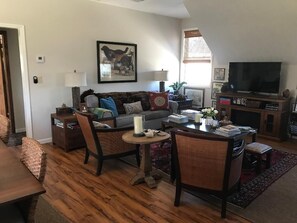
x: 252, y: 185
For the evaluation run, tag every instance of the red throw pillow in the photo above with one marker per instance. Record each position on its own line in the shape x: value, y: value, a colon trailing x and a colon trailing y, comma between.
x: 159, y: 101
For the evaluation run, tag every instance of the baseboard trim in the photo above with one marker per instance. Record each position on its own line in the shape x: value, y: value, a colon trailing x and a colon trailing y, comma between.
x: 20, y: 130
x: 43, y: 141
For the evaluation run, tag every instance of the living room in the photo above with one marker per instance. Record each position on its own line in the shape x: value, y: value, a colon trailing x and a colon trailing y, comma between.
x: 65, y: 34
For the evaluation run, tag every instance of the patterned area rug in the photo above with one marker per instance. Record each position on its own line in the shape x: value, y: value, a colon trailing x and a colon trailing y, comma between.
x: 252, y: 185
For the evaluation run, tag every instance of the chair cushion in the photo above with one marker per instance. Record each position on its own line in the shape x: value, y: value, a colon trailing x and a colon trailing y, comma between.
x: 159, y: 101
x: 256, y: 147
x: 133, y: 108
x: 109, y: 103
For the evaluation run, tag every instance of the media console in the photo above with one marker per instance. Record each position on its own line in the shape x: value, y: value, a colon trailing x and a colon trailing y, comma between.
x: 268, y: 114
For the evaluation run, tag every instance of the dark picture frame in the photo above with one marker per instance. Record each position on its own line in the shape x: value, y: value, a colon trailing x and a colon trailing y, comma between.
x: 117, y: 62
x: 197, y: 95
x: 214, y: 103
x: 219, y: 74
x: 216, y: 88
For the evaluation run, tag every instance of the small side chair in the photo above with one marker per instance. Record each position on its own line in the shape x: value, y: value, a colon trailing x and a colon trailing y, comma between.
x: 206, y: 163
x: 105, y: 143
x: 34, y: 158
x: 4, y: 128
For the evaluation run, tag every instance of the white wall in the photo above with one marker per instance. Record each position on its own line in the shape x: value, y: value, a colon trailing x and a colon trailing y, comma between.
x: 65, y: 32
x: 240, y: 30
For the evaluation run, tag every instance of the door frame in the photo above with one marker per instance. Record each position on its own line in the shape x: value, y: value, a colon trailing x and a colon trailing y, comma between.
x: 25, y: 75
x: 7, y: 79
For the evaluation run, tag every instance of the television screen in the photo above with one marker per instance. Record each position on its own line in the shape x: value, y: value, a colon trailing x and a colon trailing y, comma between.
x: 259, y: 77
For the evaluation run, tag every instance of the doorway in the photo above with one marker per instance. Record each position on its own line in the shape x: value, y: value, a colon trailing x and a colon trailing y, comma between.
x: 6, y: 99
x: 24, y: 74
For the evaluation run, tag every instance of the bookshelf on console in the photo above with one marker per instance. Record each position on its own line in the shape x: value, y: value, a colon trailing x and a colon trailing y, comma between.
x: 268, y: 114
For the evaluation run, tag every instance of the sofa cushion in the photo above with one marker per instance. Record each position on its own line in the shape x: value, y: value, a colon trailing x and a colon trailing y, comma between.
x: 119, y: 98
x: 150, y: 115
x: 133, y: 108
x: 109, y: 103
x: 92, y: 101
x: 143, y: 97
x: 159, y: 101
x: 125, y: 120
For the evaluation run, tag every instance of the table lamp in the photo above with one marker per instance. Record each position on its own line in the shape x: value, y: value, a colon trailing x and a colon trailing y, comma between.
x: 75, y: 80
x: 161, y: 76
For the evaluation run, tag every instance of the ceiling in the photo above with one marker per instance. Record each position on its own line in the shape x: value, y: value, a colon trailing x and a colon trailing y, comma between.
x: 171, y: 8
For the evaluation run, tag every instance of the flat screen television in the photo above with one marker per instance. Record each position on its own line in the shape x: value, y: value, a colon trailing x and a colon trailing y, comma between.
x: 255, y: 77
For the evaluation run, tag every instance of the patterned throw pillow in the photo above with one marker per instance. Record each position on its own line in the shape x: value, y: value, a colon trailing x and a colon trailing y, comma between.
x: 133, y: 108
x: 159, y: 101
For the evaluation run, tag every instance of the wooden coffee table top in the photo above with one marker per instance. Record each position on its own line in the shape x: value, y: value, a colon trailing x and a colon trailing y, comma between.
x: 129, y: 138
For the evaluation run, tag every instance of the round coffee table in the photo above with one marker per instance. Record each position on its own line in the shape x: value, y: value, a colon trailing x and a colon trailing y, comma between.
x: 144, y: 175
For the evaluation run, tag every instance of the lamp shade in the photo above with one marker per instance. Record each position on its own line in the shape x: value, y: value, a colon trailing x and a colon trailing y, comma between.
x: 161, y: 75
x: 75, y: 79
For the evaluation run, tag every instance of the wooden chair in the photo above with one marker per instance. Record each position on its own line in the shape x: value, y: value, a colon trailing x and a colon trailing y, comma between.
x: 105, y: 143
x: 207, y: 163
x: 34, y: 158
x: 4, y: 128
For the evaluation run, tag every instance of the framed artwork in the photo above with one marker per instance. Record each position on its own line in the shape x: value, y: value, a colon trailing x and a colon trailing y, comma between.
x: 294, y: 107
x: 116, y: 62
x: 196, y: 94
x: 216, y: 88
x: 219, y: 74
x: 213, y: 103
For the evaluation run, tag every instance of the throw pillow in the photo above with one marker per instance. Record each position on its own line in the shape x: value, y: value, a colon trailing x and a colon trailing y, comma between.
x: 159, y: 101
x: 133, y: 108
x: 144, y: 98
x: 109, y: 103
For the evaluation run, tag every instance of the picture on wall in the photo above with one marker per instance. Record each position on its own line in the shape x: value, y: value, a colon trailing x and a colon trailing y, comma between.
x: 216, y: 88
x: 219, y: 74
x: 116, y: 62
x: 197, y: 95
x: 213, y: 103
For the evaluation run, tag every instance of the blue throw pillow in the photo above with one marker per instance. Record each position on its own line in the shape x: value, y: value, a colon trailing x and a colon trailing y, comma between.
x: 109, y: 103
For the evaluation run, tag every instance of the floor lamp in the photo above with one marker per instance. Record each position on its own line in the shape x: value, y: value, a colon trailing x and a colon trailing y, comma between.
x: 161, y: 76
x: 75, y: 80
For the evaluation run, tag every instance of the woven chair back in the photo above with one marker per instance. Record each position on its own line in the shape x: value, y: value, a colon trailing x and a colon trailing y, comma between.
x: 111, y: 141
x: 4, y: 128
x: 34, y: 157
x: 202, y: 161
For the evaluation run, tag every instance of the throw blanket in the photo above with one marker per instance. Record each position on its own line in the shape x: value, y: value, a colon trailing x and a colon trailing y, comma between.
x: 101, y: 112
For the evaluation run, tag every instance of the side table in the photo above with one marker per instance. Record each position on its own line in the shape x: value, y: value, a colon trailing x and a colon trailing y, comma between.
x: 66, y: 132
x: 183, y: 105
x: 144, y: 175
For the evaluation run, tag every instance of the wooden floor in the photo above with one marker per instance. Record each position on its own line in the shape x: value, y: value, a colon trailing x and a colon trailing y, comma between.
x: 80, y: 196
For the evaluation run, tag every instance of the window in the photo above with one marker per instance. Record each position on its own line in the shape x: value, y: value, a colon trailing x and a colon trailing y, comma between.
x: 196, y: 59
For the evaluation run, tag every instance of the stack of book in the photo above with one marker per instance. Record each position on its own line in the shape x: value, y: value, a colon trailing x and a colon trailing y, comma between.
x: 228, y: 130
x: 178, y: 118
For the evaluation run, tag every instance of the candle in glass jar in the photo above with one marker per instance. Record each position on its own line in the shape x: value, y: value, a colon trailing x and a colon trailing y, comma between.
x: 198, y: 117
x: 138, y: 127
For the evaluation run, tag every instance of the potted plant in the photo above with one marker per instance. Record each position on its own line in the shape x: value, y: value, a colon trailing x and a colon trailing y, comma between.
x: 176, y: 86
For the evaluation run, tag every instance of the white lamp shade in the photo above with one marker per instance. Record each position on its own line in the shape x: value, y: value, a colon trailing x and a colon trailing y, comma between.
x: 75, y: 79
x: 161, y: 75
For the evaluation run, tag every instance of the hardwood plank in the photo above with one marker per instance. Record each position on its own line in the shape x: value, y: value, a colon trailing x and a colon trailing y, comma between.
x: 81, y: 196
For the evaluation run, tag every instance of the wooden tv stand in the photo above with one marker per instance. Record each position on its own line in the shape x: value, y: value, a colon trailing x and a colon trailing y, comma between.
x: 269, y: 114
